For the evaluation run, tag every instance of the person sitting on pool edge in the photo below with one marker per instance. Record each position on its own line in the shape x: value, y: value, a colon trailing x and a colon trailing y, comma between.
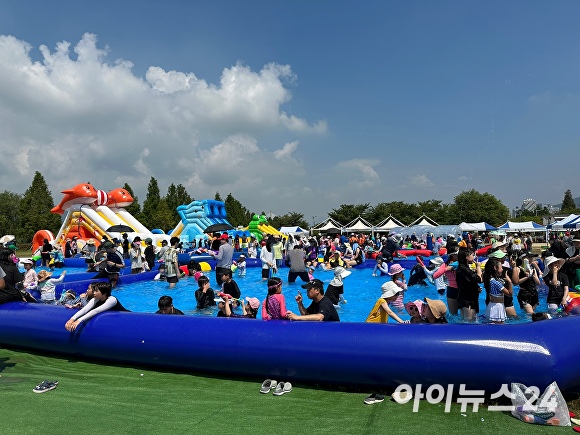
x: 101, y: 301
x: 321, y: 308
x: 165, y: 305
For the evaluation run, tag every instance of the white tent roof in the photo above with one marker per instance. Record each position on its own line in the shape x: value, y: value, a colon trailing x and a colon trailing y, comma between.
x: 359, y: 224
x: 522, y: 226
x: 327, y: 224
x: 476, y: 226
x: 293, y: 230
x: 560, y: 224
x: 424, y: 220
x: 388, y: 224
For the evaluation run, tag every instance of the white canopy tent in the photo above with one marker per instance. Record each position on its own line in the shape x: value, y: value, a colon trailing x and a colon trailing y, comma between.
x: 359, y: 224
x: 294, y: 231
x: 388, y: 224
x: 424, y: 220
x: 525, y: 227
x: 328, y: 224
x: 561, y: 225
x: 477, y: 226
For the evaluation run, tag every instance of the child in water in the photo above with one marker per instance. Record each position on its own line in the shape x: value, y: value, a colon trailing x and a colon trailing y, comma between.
x: 242, y: 265
x: 415, y: 310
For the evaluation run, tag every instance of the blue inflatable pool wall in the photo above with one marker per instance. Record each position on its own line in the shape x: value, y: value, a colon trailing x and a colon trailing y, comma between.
x: 357, y: 354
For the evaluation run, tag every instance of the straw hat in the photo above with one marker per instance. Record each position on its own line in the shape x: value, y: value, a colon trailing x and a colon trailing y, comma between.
x: 438, y: 308
x: 44, y: 274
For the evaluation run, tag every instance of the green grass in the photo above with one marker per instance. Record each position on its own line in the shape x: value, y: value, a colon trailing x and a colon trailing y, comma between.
x: 106, y: 399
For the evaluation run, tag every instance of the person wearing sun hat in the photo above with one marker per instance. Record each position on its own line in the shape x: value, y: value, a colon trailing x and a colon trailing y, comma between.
x: 434, y: 311
x: 439, y: 281
x: 335, y: 289
x: 415, y: 310
x: 47, y: 285
x: 526, y: 274
x: 381, y: 312
x: 557, y: 282
x: 398, y: 277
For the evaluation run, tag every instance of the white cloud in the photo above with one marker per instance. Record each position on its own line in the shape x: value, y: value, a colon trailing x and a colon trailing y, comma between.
x: 83, y: 117
x: 359, y: 173
x: 421, y: 181
x: 286, y: 151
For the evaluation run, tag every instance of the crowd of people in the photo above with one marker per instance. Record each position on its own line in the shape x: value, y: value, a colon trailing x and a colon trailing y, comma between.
x: 461, y: 277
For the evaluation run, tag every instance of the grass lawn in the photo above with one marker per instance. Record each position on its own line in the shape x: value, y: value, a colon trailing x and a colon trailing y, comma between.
x: 98, y: 398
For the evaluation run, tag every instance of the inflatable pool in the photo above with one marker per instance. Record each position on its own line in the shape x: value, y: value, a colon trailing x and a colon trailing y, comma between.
x: 483, y: 357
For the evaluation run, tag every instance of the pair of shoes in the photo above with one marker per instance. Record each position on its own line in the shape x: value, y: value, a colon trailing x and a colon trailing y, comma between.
x: 268, y: 385
x: 45, y: 386
x: 283, y: 388
x: 373, y: 398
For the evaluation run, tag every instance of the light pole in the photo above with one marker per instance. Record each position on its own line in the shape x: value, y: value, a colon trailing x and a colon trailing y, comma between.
x: 313, y: 221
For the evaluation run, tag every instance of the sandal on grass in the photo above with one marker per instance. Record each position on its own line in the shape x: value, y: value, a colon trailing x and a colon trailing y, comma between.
x: 45, y: 386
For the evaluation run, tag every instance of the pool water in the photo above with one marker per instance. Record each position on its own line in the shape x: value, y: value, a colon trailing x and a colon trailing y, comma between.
x: 361, y: 290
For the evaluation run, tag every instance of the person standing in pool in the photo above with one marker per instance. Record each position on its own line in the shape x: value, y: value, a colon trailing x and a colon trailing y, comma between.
x: 448, y: 269
x: 172, y: 270
x: 297, y: 257
x: 229, y: 286
x: 224, y: 257
x: 468, y: 283
x: 321, y: 308
x: 397, y: 275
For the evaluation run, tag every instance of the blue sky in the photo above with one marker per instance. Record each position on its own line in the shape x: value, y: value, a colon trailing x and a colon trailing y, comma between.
x: 294, y: 106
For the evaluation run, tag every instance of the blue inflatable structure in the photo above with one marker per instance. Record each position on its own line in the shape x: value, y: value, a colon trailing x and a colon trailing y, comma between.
x: 483, y: 357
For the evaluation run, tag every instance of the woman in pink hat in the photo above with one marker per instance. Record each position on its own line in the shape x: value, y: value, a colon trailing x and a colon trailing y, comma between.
x: 398, y: 277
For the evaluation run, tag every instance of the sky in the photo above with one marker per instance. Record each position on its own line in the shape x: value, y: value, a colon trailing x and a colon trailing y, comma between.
x: 293, y: 106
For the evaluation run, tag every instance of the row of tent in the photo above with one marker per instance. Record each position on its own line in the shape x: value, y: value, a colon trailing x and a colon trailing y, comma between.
x: 361, y: 225
x: 568, y: 223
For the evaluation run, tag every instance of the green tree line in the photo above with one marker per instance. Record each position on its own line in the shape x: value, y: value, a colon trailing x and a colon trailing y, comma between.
x: 24, y: 214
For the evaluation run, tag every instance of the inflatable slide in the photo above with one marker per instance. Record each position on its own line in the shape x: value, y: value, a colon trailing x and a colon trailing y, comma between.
x: 196, y: 217
x: 92, y: 214
x: 259, y: 226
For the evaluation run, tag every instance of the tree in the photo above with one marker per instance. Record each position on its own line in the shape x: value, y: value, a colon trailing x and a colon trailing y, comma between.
x: 135, y: 208
x: 473, y: 206
x: 290, y: 219
x: 436, y: 210
x: 568, y: 204
x: 163, y: 217
x: 9, y: 216
x: 406, y: 213
x: 237, y: 214
x: 150, y: 204
x: 176, y: 196
x: 35, y: 209
x: 348, y: 212
x: 217, y: 197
